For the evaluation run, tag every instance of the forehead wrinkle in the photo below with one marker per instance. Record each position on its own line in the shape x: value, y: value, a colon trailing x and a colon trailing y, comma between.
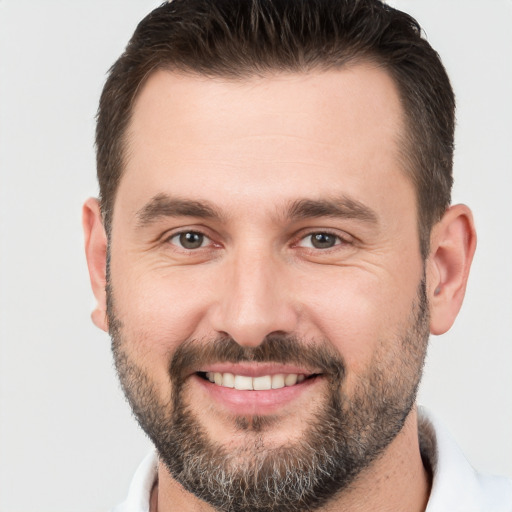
x: 164, y: 205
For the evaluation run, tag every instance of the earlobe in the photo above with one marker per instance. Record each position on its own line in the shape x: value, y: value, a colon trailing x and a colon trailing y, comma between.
x: 453, y: 243
x: 96, y: 254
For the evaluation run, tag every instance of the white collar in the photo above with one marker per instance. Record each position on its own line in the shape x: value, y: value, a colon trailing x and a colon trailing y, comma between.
x: 456, y: 486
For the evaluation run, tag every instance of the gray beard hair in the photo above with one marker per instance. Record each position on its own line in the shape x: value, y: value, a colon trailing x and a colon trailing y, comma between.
x: 346, y: 435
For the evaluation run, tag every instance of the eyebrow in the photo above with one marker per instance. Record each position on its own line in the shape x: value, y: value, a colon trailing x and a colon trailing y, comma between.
x: 163, y: 205
x: 342, y: 207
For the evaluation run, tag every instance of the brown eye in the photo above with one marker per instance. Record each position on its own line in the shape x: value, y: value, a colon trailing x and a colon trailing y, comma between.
x: 320, y: 240
x: 323, y: 240
x: 189, y: 240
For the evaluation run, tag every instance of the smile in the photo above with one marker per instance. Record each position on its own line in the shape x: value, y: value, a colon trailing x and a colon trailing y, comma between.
x: 248, y: 389
x: 261, y: 383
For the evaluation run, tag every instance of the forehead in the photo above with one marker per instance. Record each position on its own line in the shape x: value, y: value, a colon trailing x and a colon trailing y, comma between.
x: 353, y: 97
x: 232, y: 138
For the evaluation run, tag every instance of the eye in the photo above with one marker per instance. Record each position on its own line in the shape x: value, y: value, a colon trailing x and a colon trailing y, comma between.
x: 189, y: 240
x: 320, y: 240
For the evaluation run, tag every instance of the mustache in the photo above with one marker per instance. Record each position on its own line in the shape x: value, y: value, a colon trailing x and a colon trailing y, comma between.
x: 317, y: 356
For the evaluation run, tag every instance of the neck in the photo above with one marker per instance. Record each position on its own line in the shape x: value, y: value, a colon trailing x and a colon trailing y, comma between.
x: 396, y: 482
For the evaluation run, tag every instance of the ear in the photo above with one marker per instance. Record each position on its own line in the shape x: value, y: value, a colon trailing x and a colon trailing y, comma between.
x: 452, y: 246
x: 96, y: 254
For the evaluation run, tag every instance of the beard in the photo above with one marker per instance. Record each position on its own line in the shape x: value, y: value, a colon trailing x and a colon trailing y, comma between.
x: 344, y: 436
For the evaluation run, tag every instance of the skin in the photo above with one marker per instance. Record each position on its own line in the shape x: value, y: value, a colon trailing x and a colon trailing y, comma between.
x: 250, y: 149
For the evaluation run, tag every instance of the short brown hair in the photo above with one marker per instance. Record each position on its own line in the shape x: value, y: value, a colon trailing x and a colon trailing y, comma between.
x: 241, y: 38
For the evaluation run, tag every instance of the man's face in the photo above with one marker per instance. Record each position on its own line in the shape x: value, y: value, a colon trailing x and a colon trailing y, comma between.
x: 265, y: 236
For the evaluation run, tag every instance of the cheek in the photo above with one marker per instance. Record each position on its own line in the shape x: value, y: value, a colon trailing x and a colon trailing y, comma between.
x: 358, y: 312
x: 158, y: 311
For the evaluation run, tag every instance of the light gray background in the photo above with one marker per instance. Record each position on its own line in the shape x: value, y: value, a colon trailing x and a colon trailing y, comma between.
x: 67, y: 441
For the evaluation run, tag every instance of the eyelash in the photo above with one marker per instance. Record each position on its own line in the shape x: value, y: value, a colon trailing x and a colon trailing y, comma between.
x: 340, y: 240
x: 188, y: 232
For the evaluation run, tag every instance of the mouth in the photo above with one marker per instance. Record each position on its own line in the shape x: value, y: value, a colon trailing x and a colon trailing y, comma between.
x: 248, y: 388
x: 259, y: 383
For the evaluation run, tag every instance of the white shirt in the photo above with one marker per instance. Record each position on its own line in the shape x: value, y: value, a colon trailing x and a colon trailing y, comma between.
x: 456, y: 486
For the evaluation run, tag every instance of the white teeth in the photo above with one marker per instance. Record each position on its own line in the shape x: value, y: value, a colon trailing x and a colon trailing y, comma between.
x: 290, y: 379
x: 263, y: 383
x: 278, y: 381
x: 228, y: 380
x: 243, y: 383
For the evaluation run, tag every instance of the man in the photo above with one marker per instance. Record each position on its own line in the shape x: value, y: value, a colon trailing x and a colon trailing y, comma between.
x: 272, y: 246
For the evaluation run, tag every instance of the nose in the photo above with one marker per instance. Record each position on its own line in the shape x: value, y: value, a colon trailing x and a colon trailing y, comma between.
x: 254, y: 299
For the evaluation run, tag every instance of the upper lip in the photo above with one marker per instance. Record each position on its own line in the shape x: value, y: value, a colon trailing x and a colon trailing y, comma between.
x: 256, y: 369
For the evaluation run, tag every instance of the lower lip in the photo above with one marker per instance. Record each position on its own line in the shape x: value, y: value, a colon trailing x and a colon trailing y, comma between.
x: 255, y: 402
